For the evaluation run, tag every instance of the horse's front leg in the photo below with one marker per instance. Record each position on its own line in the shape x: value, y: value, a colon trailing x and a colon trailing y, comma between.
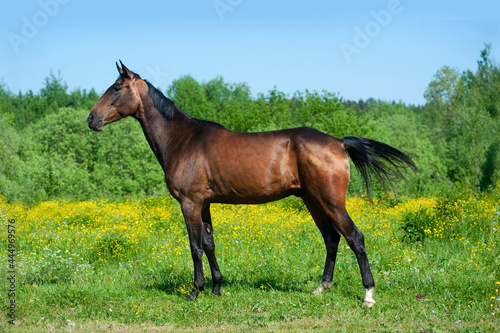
x: 192, y: 216
x: 209, y: 248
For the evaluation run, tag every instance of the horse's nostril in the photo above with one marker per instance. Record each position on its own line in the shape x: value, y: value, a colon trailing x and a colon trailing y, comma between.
x: 90, y: 117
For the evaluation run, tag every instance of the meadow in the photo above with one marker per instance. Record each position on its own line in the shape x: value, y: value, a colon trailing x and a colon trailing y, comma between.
x: 126, y: 266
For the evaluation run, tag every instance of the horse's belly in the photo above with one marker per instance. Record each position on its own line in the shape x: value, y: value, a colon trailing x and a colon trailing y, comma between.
x: 256, y: 172
x: 251, y: 188
x: 236, y: 198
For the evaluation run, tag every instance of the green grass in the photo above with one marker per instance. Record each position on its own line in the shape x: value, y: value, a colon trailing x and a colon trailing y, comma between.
x: 85, y: 267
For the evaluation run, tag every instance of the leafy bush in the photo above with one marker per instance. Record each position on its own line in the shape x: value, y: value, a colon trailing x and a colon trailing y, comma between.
x: 416, y: 225
x: 59, y: 157
x: 110, y: 246
x: 455, y: 215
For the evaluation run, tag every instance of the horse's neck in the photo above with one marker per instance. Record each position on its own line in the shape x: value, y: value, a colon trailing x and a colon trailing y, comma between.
x: 162, y: 134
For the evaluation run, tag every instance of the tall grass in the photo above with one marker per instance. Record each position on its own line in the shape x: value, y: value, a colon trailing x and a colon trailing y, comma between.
x: 97, y: 264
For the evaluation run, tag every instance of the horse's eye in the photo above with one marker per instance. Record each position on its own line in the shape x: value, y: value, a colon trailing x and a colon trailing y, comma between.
x: 116, y: 88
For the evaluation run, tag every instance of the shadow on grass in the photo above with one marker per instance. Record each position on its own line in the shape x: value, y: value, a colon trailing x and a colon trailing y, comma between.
x: 180, y: 283
x: 268, y: 283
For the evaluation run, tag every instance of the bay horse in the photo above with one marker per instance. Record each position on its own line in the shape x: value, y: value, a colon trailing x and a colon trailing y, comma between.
x: 206, y: 163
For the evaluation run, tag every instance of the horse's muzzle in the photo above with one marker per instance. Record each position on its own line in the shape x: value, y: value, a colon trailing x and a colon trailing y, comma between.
x: 95, y: 123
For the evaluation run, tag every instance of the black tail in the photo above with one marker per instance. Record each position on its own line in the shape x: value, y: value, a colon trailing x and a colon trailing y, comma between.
x: 384, y: 161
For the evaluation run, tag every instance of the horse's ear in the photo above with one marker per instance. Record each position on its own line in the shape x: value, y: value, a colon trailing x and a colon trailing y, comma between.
x: 119, y: 69
x: 126, y: 72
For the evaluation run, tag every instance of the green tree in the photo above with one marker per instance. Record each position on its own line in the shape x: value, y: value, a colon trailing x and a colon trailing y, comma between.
x: 9, y: 160
x: 62, y: 158
x: 482, y: 88
x: 464, y: 112
x: 54, y: 92
x: 442, y: 96
x: 402, y: 128
x: 189, y: 95
x: 29, y: 107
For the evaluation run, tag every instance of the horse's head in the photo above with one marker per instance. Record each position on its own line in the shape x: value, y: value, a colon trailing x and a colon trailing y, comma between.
x: 122, y: 99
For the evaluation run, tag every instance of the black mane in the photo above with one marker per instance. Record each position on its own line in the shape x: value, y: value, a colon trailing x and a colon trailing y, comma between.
x: 166, y: 106
x: 162, y: 103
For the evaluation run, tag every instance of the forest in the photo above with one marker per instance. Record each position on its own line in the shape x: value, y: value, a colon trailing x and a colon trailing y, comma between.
x: 48, y: 152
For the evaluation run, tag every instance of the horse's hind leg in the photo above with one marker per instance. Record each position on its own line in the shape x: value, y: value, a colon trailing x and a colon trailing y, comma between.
x: 209, y: 248
x: 331, y: 238
x: 356, y: 241
x: 333, y: 220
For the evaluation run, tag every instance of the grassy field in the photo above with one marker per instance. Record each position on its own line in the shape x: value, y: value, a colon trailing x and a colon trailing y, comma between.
x: 126, y: 267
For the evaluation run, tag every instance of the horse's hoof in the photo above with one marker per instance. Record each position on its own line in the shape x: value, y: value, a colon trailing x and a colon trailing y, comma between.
x: 322, y: 287
x: 318, y: 291
x: 193, y: 296
x: 368, y: 304
x: 368, y: 301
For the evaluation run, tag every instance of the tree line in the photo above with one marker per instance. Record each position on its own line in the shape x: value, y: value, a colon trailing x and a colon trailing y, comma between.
x: 48, y: 152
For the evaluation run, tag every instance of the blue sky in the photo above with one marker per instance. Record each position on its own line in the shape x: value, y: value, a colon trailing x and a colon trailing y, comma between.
x: 359, y: 49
